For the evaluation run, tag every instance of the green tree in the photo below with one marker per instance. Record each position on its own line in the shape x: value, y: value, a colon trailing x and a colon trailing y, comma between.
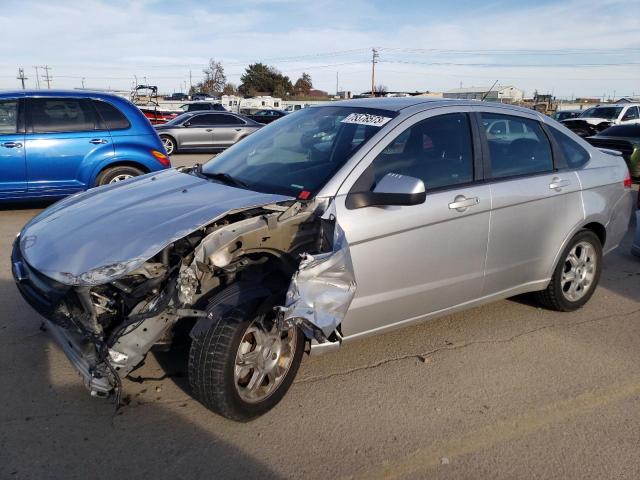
x: 230, y: 89
x: 259, y: 77
x: 303, y: 85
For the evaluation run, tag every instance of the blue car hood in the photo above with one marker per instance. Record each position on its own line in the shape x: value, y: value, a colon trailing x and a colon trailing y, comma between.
x: 107, y: 232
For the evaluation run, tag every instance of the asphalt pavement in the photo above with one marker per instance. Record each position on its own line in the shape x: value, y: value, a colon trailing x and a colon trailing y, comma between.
x: 504, y: 391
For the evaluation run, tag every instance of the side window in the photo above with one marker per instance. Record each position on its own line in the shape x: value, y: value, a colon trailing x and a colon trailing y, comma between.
x: 231, y: 120
x: 437, y: 150
x: 523, y: 150
x: 61, y: 115
x: 575, y: 155
x: 8, y: 116
x: 113, y: 118
x: 631, y: 114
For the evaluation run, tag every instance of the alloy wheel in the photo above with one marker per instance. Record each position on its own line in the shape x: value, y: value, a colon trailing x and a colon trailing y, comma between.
x: 579, y: 271
x: 264, y: 357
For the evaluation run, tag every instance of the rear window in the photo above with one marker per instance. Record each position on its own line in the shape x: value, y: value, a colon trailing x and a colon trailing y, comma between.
x: 575, y: 155
x: 112, y: 118
x: 61, y: 115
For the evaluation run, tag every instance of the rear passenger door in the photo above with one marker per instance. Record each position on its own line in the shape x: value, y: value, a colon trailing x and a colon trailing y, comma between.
x: 535, y: 201
x: 63, y: 137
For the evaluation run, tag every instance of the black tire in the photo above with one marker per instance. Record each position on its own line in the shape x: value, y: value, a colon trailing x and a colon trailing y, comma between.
x: 110, y: 174
x: 212, y: 360
x: 170, y: 144
x: 553, y: 296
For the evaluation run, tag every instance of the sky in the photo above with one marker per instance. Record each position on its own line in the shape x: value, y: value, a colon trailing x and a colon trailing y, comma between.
x: 568, y: 48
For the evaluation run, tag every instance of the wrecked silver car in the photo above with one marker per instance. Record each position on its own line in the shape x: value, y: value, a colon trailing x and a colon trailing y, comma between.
x: 331, y: 224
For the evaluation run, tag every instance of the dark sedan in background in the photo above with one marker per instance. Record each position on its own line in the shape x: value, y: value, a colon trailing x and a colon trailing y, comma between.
x: 212, y: 131
x: 266, y: 116
x: 625, y: 139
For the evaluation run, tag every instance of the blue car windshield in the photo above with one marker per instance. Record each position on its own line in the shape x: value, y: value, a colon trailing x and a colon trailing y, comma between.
x: 300, y: 152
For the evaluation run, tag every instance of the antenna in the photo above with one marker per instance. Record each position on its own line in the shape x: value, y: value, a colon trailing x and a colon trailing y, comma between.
x: 489, y: 91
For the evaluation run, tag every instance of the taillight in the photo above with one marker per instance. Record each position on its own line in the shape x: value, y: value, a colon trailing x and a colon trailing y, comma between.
x: 627, y: 180
x: 164, y: 160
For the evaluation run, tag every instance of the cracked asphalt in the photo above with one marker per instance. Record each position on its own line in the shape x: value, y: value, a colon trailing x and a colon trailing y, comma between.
x: 504, y: 391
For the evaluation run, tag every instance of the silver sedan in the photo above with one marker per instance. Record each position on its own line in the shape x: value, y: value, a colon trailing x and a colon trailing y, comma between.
x: 205, y: 131
x: 332, y: 224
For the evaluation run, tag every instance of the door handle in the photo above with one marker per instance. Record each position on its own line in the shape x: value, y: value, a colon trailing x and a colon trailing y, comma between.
x: 238, y: 129
x: 12, y: 144
x: 98, y: 141
x: 558, y: 183
x: 461, y: 203
x: 209, y: 130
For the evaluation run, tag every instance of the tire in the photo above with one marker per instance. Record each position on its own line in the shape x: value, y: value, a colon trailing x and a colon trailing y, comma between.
x: 117, y: 173
x: 559, y: 294
x: 214, y: 375
x: 169, y: 144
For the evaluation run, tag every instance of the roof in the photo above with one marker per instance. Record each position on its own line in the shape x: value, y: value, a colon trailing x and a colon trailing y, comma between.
x: 497, y: 88
x: 57, y: 93
x: 397, y: 104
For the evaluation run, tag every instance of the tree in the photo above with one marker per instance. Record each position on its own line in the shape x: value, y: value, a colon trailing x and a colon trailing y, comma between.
x: 214, y: 78
x: 259, y: 77
x: 303, y: 85
x: 230, y: 89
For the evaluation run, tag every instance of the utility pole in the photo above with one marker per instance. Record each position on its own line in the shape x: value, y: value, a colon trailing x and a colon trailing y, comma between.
x: 374, y: 59
x: 37, y: 77
x: 21, y: 76
x: 337, y: 88
x: 190, y: 81
x: 82, y: 82
x: 46, y: 76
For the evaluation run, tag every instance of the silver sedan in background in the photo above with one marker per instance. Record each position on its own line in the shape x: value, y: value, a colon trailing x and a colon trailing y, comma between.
x: 205, y: 131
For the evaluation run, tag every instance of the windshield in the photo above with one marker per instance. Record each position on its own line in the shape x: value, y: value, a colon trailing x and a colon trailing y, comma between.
x: 300, y: 152
x: 608, y: 113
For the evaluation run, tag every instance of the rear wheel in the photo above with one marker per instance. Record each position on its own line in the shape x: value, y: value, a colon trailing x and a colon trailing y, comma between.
x: 243, y: 365
x: 117, y: 174
x: 576, y: 275
x: 169, y: 144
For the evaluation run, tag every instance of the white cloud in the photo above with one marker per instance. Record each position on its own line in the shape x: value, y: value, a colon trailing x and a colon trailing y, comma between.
x: 118, y: 39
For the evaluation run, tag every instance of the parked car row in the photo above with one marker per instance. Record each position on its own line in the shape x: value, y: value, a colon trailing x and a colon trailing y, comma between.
x: 266, y: 251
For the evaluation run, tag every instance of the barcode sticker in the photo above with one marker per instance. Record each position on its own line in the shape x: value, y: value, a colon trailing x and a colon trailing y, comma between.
x: 366, y: 119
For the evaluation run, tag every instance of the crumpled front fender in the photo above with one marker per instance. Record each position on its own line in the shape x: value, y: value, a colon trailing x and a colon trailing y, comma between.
x: 322, y: 288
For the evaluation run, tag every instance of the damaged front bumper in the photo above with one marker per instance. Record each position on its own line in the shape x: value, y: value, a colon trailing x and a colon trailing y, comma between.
x: 52, y: 300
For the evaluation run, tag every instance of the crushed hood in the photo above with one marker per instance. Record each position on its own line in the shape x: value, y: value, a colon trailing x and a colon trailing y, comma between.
x: 105, y: 233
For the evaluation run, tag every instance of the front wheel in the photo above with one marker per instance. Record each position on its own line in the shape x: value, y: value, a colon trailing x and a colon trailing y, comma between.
x: 242, y: 366
x: 576, y: 275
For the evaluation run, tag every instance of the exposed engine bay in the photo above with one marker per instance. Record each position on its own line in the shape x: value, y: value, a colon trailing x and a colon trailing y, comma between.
x: 294, y: 249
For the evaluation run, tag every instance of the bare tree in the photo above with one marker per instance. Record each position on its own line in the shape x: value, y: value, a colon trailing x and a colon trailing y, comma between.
x: 380, y: 90
x: 214, y: 78
x: 230, y: 89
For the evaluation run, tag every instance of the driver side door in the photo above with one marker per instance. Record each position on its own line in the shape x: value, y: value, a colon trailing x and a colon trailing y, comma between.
x: 197, y: 132
x: 414, y: 261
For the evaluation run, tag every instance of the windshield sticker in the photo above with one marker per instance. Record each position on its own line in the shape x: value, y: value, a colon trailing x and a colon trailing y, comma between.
x: 366, y: 119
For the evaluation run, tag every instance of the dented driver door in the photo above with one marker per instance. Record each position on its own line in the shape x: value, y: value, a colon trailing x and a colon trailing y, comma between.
x: 412, y: 261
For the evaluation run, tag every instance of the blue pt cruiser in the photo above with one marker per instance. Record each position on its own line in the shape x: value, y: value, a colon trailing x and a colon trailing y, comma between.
x: 56, y: 143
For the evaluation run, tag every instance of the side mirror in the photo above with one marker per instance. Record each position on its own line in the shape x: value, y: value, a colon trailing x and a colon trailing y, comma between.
x: 393, y: 189
x: 186, y: 124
